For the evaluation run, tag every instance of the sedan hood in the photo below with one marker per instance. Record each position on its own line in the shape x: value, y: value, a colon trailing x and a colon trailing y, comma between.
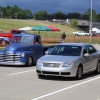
x: 57, y: 58
x: 13, y: 47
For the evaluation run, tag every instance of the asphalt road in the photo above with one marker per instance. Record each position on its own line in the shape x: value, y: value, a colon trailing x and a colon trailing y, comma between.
x: 22, y: 83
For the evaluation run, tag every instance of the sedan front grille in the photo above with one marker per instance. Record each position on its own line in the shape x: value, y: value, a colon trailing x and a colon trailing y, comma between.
x: 9, y: 57
x: 54, y: 65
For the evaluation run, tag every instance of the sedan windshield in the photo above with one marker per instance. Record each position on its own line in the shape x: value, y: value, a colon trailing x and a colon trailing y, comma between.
x: 66, y: 50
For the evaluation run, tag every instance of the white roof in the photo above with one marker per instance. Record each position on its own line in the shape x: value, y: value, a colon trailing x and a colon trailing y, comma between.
x: 96, y: 30
x: 25, y: 28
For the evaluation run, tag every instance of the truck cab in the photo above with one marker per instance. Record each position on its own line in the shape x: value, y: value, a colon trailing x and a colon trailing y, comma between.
x: 11, y: 33
x: 24, y: 49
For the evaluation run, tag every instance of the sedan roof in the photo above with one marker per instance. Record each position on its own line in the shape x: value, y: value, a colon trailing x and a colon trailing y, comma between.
x: 77, y: 44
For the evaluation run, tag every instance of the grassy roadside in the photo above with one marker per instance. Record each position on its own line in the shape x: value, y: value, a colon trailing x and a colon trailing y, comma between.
x: 7, y: 24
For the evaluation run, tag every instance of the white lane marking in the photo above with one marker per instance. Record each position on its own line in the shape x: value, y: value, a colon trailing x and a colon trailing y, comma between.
x: 22, y: 72
x: 43, y: 96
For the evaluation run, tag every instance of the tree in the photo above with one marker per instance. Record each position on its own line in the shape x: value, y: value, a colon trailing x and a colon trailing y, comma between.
x: 98, y: 17
x: 74, y: 22
x: 41, y: 15
x: 94, y: 15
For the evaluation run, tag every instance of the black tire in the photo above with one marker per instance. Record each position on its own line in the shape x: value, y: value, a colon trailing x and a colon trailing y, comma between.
x: 77, y: 34
x: 97, y: 71
x: 29, y: 61
x: 79, y: 73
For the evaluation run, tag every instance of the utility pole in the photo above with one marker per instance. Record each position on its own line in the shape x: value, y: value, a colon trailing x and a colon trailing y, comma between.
x: 91, y: 23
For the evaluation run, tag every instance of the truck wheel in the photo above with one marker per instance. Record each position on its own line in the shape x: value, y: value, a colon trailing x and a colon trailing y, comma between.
x: 3, y: 42
x: 29, y: 61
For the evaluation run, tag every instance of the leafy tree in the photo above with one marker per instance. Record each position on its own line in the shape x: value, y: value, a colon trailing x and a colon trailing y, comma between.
x: 74, y: 22
x: 94, y: 15
x: 41, y: 15
x: 98, y: 17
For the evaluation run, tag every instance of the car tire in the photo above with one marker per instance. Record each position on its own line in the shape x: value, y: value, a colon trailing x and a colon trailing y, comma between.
x: 77, y: 35
x: 29, y: 61
x: 79, y: 73
x: 97, y: 71
x: 3, y: 42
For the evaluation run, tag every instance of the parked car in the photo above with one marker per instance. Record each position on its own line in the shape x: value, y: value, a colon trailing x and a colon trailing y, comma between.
x: 81, y: 33
x: 4, y: 40
x: 69, y: 60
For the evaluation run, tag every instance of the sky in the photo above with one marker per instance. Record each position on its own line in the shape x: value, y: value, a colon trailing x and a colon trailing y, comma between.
x: 53, y: 6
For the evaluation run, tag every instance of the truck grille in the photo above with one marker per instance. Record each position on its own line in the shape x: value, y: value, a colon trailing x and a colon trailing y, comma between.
x: 55, y: 65
x: 9, y: 57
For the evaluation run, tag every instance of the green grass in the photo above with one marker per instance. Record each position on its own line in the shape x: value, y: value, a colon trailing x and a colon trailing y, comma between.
x: 7, y: 24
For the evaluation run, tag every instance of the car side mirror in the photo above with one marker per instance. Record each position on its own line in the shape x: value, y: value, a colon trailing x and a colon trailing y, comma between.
x: 46, y: 52
x: 86, y: 54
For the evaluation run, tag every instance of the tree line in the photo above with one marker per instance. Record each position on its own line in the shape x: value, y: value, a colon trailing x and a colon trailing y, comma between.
x: 15, y: 12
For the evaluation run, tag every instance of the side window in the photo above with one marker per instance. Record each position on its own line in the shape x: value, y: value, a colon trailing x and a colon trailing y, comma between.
x: 91, y: 50
x: 36, y: 41
x: 85, y: 50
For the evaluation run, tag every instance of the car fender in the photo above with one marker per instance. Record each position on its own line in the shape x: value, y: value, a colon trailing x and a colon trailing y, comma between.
x: 27, y: 55
x: 78, y: 62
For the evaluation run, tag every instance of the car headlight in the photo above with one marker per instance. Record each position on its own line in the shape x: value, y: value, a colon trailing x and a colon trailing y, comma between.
x: 39, y: 62
x: 67, y: 64
x: 22, y: 54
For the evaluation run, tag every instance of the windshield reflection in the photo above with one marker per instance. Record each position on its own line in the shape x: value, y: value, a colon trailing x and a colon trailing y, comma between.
x: 66, y: 50
x: 22, y: 39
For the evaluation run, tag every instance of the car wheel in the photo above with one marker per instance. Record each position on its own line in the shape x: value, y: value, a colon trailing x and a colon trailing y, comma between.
x: 29, y: 61
x: 77, y: 34
x: 97, y: 71
x: 79, y: 73
x: 3, y: 42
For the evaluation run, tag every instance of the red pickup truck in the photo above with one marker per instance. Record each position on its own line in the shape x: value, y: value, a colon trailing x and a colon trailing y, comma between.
x: 11, y: 33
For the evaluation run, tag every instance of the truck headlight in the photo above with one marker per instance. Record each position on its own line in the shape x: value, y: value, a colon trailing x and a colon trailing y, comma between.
x: 39, y: 62
x: 67, y: 64
x: 22, y: 54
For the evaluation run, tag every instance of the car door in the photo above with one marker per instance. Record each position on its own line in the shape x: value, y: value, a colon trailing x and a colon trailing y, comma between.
x: 90, y: 61
x: 93, y: 57
x: 86, y: 60
x: 37, y: 48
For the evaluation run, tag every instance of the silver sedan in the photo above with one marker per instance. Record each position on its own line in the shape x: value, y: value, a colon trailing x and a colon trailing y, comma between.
x: 69, y: 60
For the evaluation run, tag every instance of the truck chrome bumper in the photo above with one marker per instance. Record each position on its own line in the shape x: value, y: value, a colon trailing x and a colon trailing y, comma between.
x: 12, y: 63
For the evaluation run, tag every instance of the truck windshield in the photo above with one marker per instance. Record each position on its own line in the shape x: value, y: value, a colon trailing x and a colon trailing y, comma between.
x: 16, y: 31
x: 66, y: 50
x: 22, y: 39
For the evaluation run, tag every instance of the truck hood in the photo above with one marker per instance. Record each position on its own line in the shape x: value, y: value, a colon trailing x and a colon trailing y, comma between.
x: 57, y: 58
x: 15, y: 47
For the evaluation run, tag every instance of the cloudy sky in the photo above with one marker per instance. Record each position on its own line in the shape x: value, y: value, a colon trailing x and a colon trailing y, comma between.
x: 52, y: 6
